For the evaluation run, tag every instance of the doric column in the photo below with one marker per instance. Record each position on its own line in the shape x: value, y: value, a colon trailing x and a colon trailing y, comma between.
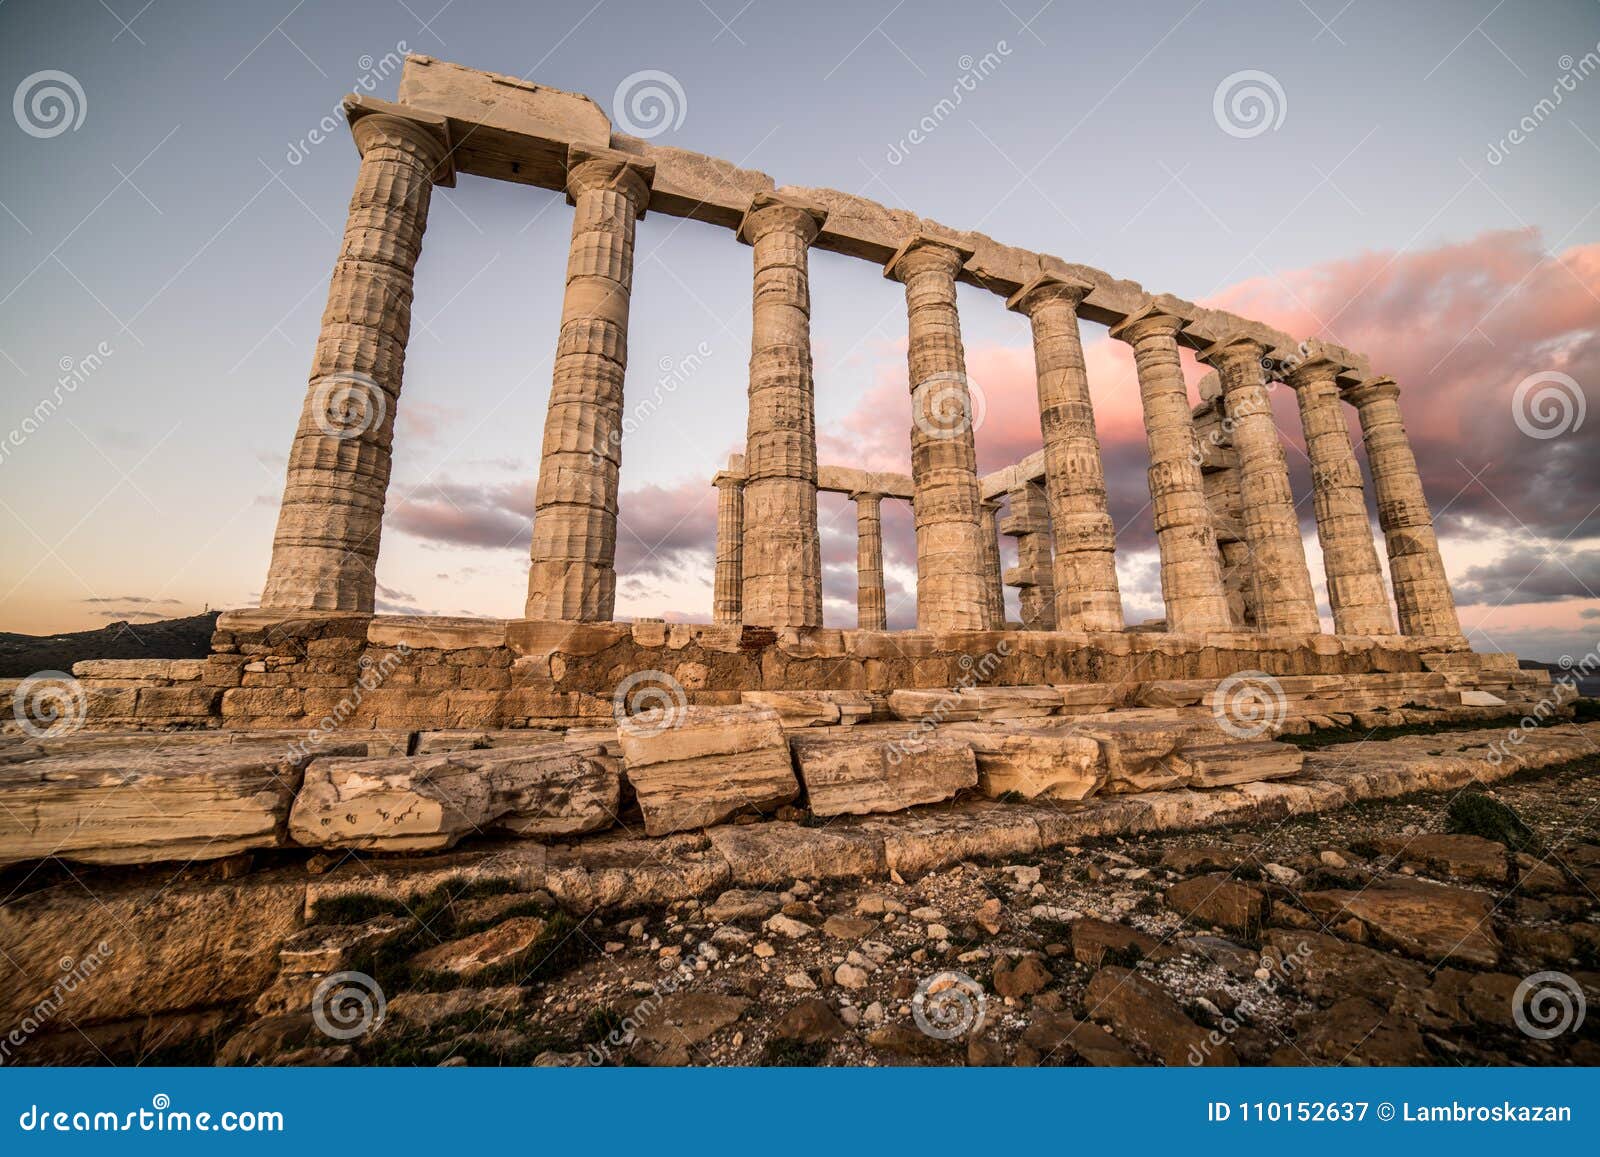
x: 573, y: 573
x: 1086, y: 592
x: 1191, y: 576
x: 1355, y: 581
x: 871, y: 604
x: 1421, y: 589
x: 993, y: 581
x: 728, y: 590
x: 1271, y: 527
x: 326, y: 546
x: 944, y: 460
x: 782, y: 552
x: 1219, y: 471
x: 1028, y: 521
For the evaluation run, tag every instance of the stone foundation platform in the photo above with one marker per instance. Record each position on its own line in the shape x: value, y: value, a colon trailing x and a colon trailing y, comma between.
x: 271, y: 670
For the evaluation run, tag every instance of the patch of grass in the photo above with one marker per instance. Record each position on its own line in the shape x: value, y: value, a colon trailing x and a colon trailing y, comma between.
x: 1472, y: 813
x: 601, y: 1023
x: 782, y: 1052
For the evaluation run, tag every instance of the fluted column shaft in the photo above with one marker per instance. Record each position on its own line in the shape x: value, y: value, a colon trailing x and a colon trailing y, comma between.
x: 1087, y: 597
x: 871, y: 604
x: 1421, y: 588
x: 1219, y: 470
x: 944, y: 461
x: 1191, y: 574
x: 993, y: 581
x: 1271, y: 527
x: 1028, y: 521
x: 325, y: 550
x: 782, y: 551
x: 573, y: 570
x: 1355, y: 581
x: 728, y: 589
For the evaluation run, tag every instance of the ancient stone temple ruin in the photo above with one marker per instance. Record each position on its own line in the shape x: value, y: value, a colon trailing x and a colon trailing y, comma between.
x: 1066, y: 703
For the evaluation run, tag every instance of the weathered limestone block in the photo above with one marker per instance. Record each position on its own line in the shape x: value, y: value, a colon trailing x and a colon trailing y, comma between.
x: 615, y: 871
x: 1034, y: 763
x: 1012, y: 702
x: 430, y: 802
x: 155, y: 947
x: 1139, y: 753
x: 708, y: 765
x: 138, y: 806
x: 813, y: 708
x: 140, y: 670
x: 773, y: 854
x: 1224, y: 764
x: 862, y: 776
x: 934, y: 706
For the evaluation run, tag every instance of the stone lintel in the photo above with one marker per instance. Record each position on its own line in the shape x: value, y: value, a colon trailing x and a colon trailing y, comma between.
x: 1013, y: 477
x: 513, y: 129
x: 357, y: 107
x: 848, y: 480
x: 766, y: 200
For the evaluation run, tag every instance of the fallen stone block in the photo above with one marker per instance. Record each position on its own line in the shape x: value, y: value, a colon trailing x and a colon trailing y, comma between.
x: 706, y: 765
x: 859, y: 777
x: 933, y: 706
x: 1035, y: 763
x: 425, y: 803
x: 129, y: 804
x: 1224, y: 764
x: 1012, y: 702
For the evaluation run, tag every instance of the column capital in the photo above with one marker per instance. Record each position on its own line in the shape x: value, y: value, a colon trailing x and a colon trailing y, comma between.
x: 922, y: 252
x: 726, y: 478
x: 865, y: 495
x: 375, y: 122
x: 1232, y: 346
x: 1311, y: 371
x: 1372, y: 390
x: 590, y: 167
x: 1147, y: 320
x: 1048, y: 287
x: 769, y: 211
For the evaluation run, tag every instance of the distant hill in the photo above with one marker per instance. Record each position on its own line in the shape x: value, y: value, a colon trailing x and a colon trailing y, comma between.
x: 190, y: 638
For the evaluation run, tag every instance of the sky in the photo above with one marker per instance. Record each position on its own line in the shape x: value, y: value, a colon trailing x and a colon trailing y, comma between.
x: 1414, y: 180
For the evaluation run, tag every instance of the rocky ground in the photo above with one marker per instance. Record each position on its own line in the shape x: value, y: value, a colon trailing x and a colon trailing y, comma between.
x: 1396, y: 932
